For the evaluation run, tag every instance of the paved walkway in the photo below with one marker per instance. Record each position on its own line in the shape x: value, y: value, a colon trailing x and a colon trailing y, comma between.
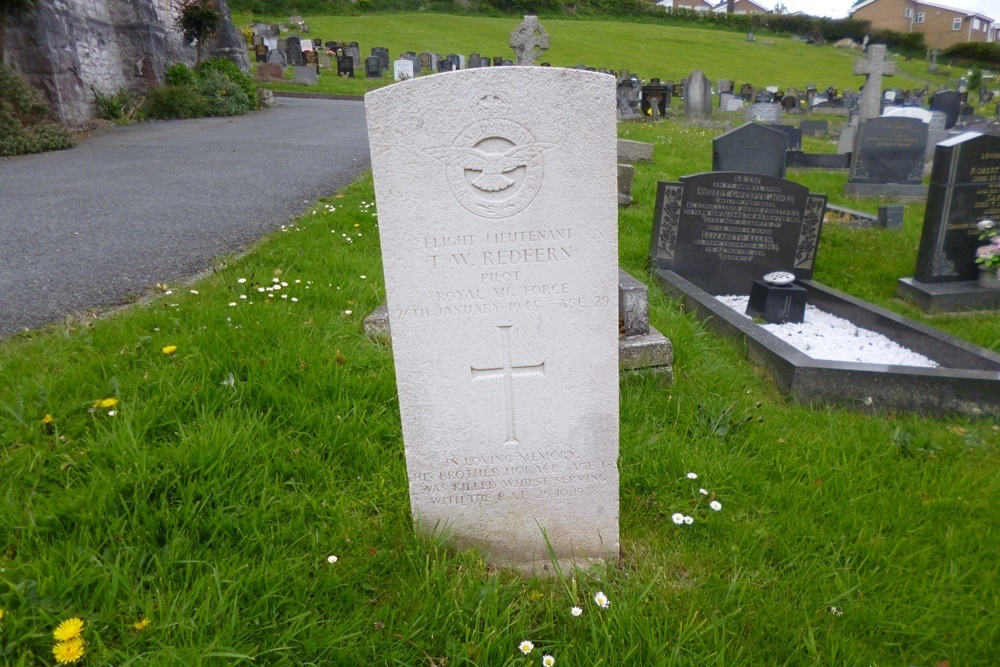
x: 156, y: 202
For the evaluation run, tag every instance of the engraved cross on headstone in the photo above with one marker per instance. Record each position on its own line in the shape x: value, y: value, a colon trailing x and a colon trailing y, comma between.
x: 874, y: 67
x: 527, y: 37
x: 508, y: 372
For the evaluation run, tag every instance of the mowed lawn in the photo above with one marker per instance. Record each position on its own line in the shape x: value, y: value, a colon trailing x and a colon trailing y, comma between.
x: 647, y: 49
x: 216, y: 476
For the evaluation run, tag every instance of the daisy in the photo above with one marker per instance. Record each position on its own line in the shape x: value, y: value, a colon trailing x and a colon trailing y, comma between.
x: 602, y: 600
x: 716, y: 505
x: 688, y: 520
x: 548, y: 661
x: 677, y: 518
x: 692, y: 475
x: 331, y: 559
x: 526, y: 647
x: 576, y: 611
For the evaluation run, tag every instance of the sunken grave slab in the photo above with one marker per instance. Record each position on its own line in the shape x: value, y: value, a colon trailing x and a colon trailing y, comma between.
x: 967, y: 383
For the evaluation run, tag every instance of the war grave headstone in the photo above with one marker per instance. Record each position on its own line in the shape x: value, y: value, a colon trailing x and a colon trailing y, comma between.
x: 723, y: 230
x: 768, y: 113
x: 402, y: 70
x: 888, y: 158
x: 373, y: 67
x: 948, y: 102
x: 815, y: 128
x: 751, y: 148
x: 964, y: 189
x: 698, y: 97
x: 499, y: 241
x: 306, y: 75
x: 529, y: 41
x: 715, y: 234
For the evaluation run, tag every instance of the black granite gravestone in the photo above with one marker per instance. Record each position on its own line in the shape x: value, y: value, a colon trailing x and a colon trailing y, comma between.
x: 965, y: 188
x: 294, y: 46
x: 373, y: 67
x: 751, y: 148
x: 723, y: 230
x: 776, y: 304
x: 794, y: 136
x: 888, y: 150
x: 890, y: 217
x: 949, y: 102
x: 345, y: 67
x: 658, y: 93
x: 383, y: 57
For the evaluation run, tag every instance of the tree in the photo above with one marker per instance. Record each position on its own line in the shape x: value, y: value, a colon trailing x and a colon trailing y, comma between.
x: 199, y: 20
x: 780, y: 9
x: 12, y: 9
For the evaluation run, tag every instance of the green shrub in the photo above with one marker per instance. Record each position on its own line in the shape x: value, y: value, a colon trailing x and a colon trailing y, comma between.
x: 118, y: 106
x: 909, y: 43
x: 24, y: 123
x: 167, y: 102
x: 979, y: 52
x: 223, y: 96
x: 232, y: 71
x: 180, y: 74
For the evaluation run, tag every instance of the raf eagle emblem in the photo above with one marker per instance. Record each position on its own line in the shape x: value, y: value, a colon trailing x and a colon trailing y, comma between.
x: 492, y: 166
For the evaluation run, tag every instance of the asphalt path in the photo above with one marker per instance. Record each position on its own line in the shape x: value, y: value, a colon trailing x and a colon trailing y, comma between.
x: 93, y: 226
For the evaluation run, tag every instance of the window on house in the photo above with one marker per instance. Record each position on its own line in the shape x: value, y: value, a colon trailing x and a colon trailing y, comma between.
x: 908, y: 13
x: 919, y: 18
x: 975, y: 24
x: 956, y: 23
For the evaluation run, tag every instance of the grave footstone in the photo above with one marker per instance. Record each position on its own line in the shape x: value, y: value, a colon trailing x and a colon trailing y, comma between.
x: 751, y: 148
x: 529, y: 41
x: 888, y: 158
x: 502, y: 307
x: 723, y: 230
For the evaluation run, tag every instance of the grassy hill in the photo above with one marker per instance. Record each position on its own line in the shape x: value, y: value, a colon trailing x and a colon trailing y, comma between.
x: 650, y: 50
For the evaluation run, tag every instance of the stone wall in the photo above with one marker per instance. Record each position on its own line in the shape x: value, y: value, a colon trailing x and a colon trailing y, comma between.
x: 66, y: 48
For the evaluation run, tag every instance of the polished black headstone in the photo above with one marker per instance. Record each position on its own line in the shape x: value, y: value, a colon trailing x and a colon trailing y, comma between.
x: 965, y: 188
x: 776, y: 304
x: 751, y: 148
x: 794, y: 135
x: 889, y: 149
x: 345, y: 67
x: 890, y: 217
x: 950, y: 102
x: 655, y: 92
x: 723, y: 230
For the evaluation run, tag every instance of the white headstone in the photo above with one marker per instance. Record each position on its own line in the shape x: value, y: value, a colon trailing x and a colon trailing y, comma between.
x: 910, y: 112
x: 402, y: 70
x: 499, y: 247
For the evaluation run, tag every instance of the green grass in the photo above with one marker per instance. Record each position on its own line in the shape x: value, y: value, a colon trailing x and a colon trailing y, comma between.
x: 667, y: 52
x: 270, y: 439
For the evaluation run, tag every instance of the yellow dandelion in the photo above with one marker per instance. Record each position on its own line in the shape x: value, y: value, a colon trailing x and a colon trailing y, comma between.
x: 141, y: 625
x: 68, y: 629
x: 1, y: 614
x: 105, y: 402
x: 48, y: 419
x: 69, y: 651
x: 169, y: 349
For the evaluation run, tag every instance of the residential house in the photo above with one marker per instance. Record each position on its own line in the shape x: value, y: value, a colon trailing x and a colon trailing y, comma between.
x: 942, y: 26
x: 741, y: 7
x: 696, y: 5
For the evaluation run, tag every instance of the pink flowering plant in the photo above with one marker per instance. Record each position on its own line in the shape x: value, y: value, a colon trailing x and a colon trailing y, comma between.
x: 988, y: 254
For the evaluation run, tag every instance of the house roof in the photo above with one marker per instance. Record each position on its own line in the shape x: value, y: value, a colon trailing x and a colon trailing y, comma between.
x: 721, y: 7
x: 929, y: 4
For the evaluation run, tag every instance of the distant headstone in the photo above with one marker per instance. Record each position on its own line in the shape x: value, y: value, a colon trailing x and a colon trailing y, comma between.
x: 734, y: 104
x: 383, y: 56
x: 373, y: 67
x: 354, y: 51
x: 874, y: 67
x: 455, y: 60
x: 503, y: 311
x: 626, y: 174
x: 529, y: 41
x: 948, y: 102
x: 965, y: 188
x: 815, y: 128
x: 415, y: 59
x: 763, y: 113
x: 275, y: 57
x: 723, y: 230
x: 306, y: 75
x: 260, y: 52
x: 345, y: 67
x: 751, y: 148
x: 425, y: 60
x: 793, y: 133
x: 655, y: 100
x: 698, y: 97
x: 629, y: 102
x: 294, y: 46
x: 270, y: 71
x: 888, y: 151
x: 402, y: 70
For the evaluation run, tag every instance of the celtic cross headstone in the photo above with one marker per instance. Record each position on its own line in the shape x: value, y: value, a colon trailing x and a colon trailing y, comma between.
x: 529, y: 41
x: 874, y: 67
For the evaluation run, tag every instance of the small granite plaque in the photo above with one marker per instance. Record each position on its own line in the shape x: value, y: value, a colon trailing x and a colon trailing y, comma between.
x: 723, y: 230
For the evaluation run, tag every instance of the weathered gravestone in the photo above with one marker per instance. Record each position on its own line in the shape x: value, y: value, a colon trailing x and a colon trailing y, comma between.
x: 275, y: 57
x: 529, y: 41
x: 698, y: 97
x: 373, y: 67
x: 874, y: 67
x: 383, y: 56
x: 762, y: 112
x: 425, y: 60
x: 294, y: 50
x: 402, y: 70
x: 793, y: 133
x: 260, y: 52
x: 723, y: 230
x: 270, y: 72
x: 888, y: 158
x: 499, y: 242
x: 751, y: 148
x: 629, y: 102
x: 415, y: 59
x: 306, y: 75
x: 815, y: 128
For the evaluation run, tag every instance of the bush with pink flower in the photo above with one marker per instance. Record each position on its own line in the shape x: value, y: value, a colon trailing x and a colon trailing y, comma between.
x: 988, y: 254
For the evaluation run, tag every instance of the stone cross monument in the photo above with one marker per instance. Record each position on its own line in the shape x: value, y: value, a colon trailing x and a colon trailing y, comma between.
x: 874, y: 67
x: 528, y: 37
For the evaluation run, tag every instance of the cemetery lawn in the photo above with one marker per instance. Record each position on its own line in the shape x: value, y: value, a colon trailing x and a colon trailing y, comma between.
x: 648, y: 49
x: 200, y: 459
